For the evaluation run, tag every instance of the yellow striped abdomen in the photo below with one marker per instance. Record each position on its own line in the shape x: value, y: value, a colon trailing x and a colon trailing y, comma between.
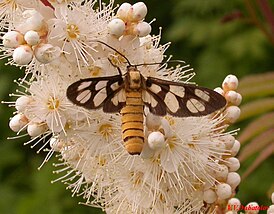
x: 133, y: 122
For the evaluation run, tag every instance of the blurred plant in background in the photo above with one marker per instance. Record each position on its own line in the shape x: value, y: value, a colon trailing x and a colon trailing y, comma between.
x: 209, y: 39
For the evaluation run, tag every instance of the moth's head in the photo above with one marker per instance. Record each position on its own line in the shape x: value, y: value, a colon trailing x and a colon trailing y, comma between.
x: 134, y: 77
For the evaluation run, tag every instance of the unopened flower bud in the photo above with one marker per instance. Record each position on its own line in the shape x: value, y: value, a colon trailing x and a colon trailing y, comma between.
x: 228, y: 140
x: 223, y: 191
x: 221, y: 173
x: 156, y: 140
x: 32, y: 37
x: 22, y: 102
x: 230, y: 83
x: 272, y: 197
x: 142, y: 29
x: 235, y: 148
x: 252, y: 208
x: 231, y: 96
x: 209, y: 196
x: 238, y: 100
x: 234, y: 204
x: 36, y: 129
x: 139, y: 11
x: 55, y: 144
x: 123, y: 11
x: 22, y: 55
x: 233, y: 179
x: 220, y: 91
x: 46, y: 53
x: 232, y: 113
x: 270, y: 209
x: 116, y: 27
x: 13, y: 39
x: 233, y: 164
x: 18, y: 122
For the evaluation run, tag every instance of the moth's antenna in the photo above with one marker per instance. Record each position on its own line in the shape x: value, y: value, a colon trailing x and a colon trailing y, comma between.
x: 161, y: 63
x: 115, y: 51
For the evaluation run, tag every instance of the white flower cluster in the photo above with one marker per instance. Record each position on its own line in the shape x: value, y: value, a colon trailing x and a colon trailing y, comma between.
x: 187, y: 165
x: 234, y: 99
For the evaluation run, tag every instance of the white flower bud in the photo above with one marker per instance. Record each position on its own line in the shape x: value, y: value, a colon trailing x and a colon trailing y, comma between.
x: 230, y: 83
x: 252, y: 208
x: 124, y: 10
x: 238, y: 100
x: 22, y: 55
x: 46, y: 53
x: 234, y: 204
x: 116, y: 27
x: 22, y: 102
x: 142, y: 29
x: 220, y: 146
x: 231, y: 96
x: 232, y: 113
x: 221, y: 174
x: 270, y: 209
x: 13, y: 39
x: 209, y: 196
x: 139, y: 11
x: 153, y: 122
x: 156, y: 140
x: 36, y: 129
x: 32, y: 37
x: 233, y: 164
x: 272, y: 197
x: 220, y: 91
x: 223, y: 191
x: 235, y: 148
x: 233, y: 179
x: 55, y: 144
x: 228, y: 140
x: 18, y: 122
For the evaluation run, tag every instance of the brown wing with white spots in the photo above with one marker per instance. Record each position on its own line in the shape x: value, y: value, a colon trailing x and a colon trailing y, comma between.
x: 100, y: 92
x: 179, y: 99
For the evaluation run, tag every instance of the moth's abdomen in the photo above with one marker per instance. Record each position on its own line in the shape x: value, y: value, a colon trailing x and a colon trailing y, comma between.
x: 133, y: 123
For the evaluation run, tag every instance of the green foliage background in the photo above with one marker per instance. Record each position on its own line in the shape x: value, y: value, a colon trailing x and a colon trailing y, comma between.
x: 214, y: 49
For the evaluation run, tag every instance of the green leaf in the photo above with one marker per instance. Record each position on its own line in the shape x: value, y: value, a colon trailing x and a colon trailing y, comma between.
x: 257, y: 85
x: 256, y: 107
x: 267, y: 152
x: 256, y: 127
x: 257, y: 144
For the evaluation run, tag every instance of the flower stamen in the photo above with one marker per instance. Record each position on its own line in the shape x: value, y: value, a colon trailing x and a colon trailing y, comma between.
x: 73, y: 31
x: 53, y: 103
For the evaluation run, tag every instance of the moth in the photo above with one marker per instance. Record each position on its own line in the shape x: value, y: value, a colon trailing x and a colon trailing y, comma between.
x: 129, y: 93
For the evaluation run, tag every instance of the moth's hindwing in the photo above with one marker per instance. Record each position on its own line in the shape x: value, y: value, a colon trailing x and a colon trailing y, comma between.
x: 179, y: 99
x: 100, y: 92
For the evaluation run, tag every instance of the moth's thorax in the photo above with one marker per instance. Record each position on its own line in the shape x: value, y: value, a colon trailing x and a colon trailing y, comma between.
x: 134, y: 78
